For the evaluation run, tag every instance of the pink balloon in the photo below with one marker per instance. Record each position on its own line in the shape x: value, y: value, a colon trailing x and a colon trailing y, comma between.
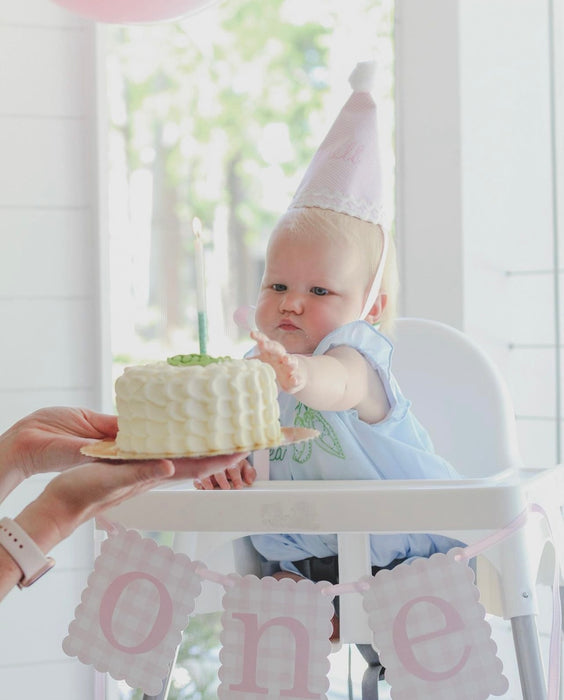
x: 244, y: 317
x: 133, y: 11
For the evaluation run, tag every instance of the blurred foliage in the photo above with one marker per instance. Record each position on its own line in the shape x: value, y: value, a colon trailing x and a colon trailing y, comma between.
x: 207, y: 98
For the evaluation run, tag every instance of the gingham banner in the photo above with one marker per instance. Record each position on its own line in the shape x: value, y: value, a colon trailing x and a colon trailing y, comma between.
x: 275, y: 639
x: 133, y: 611
x: 431, y: 632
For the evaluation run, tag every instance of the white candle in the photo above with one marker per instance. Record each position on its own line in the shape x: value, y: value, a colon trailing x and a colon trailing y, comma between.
x: 199, y: 262
x: 200, y: 284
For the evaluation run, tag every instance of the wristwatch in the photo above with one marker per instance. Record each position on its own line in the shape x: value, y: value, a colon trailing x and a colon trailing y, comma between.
x: 24, y: 552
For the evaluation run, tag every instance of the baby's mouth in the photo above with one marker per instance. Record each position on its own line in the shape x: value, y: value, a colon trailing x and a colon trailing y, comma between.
x: 287, y: 326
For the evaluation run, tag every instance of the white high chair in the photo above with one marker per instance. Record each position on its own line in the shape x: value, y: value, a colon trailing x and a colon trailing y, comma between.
x: 460, y: 397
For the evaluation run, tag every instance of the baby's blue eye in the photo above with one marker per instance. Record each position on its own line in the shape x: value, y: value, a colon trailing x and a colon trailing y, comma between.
x: 279, y: 287
x: 319, y: 291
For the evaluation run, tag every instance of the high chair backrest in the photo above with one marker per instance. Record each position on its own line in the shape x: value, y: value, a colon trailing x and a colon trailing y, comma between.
x: 458, y: 394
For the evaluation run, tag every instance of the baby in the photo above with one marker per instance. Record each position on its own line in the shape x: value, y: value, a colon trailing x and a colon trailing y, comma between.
x: 334, y: 372
x: 330, y: 278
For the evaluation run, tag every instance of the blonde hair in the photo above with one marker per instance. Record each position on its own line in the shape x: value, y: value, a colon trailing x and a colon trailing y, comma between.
x: 365, y: 236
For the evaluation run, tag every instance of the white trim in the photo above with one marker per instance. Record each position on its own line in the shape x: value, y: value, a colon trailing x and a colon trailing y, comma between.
x: 428, y: 208
x: 102, y: 219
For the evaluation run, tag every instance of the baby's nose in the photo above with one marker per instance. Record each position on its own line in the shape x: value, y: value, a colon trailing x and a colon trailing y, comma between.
x: 291, y: 301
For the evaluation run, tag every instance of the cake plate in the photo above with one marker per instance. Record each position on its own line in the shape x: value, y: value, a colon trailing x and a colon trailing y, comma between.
x: 108, y: 450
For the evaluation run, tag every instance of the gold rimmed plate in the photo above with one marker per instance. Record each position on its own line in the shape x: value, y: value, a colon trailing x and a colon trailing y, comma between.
x: 107, y: 449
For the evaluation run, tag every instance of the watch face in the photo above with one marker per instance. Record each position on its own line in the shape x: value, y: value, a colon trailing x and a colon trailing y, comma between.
x: 50, y: 563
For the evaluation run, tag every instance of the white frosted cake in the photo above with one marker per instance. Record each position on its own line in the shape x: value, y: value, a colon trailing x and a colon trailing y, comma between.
x: 195, y: 404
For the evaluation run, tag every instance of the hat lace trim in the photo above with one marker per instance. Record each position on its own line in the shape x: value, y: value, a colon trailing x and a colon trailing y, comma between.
x: 325, y: 199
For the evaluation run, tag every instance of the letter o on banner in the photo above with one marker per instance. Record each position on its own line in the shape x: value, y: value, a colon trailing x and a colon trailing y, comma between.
x: 161, y: 625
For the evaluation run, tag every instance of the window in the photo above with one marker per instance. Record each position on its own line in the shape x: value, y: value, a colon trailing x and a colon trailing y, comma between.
x: 216, y: 117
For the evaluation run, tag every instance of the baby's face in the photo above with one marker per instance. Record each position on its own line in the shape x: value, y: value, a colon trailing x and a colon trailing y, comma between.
x: 311, y: 286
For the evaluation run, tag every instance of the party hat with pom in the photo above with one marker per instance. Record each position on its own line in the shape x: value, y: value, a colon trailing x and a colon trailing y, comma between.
x: 345, y: 174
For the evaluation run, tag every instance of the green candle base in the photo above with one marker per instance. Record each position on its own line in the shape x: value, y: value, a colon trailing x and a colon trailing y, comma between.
x: 202, y: 332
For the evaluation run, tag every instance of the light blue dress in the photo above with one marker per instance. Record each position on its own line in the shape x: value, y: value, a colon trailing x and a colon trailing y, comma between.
x: 397, y: 447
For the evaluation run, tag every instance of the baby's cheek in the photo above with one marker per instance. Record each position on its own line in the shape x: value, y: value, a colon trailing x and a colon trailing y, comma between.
x: 261, y: 317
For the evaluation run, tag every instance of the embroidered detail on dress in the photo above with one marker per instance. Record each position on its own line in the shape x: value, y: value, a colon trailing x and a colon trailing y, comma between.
x: 308, y: 418
x: 277, y: 454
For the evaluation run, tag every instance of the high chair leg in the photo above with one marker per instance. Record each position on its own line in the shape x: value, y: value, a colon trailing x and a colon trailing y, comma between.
x: 529, y: 662
x: 373, y: 674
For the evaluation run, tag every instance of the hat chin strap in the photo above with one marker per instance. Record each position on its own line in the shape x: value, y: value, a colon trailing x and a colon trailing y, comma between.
x: 377, y: 281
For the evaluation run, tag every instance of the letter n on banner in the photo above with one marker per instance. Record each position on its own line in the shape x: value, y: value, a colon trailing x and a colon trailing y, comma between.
x: 431, y: 632
x: 137, y: 602
x: 275, y: 639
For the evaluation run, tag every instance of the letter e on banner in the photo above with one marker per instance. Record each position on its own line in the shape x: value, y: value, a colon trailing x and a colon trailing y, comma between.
x: 275, y: 639
x: 403, y: 644
x: 133, y: 611
x: 431, y: 632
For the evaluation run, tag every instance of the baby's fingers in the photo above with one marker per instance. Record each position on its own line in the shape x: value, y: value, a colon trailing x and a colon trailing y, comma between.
x: 222, y: 480
x: 266, y: 345
x: 235, y: 479
x: 261, y: 340
x: 258, y: 336
x: 248, y: 472
x: 215, y: 481
x: 203, y: 484
x: 290, y: 362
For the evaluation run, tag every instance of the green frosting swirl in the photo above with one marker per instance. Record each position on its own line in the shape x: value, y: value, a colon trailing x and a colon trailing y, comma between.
x: 194, y: 359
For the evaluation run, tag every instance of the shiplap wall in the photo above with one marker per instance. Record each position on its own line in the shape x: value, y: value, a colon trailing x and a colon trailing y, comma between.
x: 475, y: 200
x: 50, y: 337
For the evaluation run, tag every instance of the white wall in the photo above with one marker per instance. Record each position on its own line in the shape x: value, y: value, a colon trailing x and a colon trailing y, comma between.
x: 49, y: 302
x: 475, y: 199
x: 507, y: 204
x: 428, y: 168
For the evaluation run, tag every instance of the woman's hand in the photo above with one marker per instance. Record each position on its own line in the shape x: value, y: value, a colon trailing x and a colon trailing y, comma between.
x: 50, y: 439
x: 83, y: 492
x: 236, y: 477
x: 75, y: 496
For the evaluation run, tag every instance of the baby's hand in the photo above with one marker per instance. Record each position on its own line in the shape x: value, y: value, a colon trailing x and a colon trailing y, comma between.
x: 289, y: 372
x: 242, y: 474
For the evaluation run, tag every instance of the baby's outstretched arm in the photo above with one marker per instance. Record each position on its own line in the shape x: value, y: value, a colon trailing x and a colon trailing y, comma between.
x: 336, y: 381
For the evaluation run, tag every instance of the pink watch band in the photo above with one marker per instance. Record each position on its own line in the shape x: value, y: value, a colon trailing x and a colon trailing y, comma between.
x: 24, y: 552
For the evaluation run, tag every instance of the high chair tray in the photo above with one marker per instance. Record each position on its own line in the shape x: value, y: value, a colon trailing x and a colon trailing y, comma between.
x: 329, y: 506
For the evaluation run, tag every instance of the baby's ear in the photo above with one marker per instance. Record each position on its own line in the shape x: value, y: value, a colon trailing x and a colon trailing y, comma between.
x: 375, y: 313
